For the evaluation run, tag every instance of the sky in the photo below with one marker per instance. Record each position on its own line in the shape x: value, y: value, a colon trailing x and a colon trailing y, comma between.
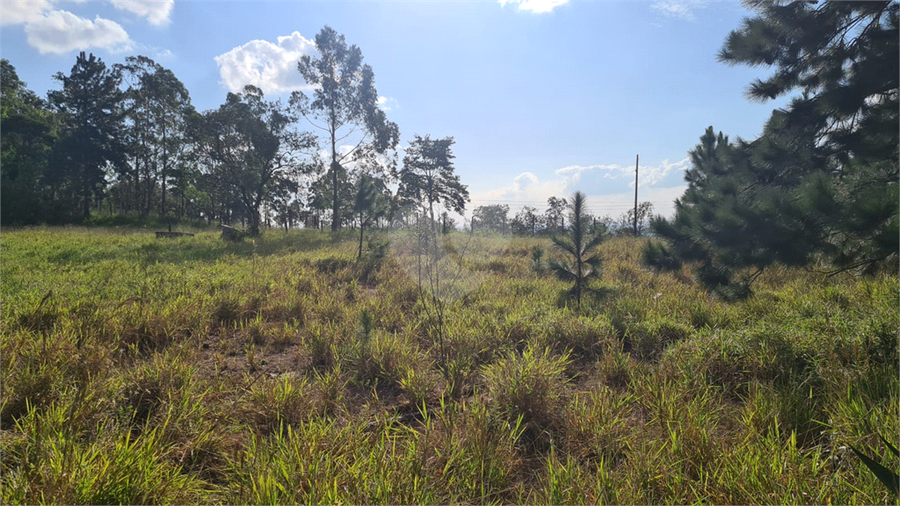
x: 543, y: 97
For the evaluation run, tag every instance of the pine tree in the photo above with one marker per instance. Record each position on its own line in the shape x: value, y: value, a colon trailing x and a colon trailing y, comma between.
x: 820, y: 184
x: 581, y: 263
x: 90, y: 104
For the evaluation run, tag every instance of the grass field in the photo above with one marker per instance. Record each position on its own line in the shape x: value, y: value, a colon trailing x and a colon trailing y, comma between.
x: 191, y: 370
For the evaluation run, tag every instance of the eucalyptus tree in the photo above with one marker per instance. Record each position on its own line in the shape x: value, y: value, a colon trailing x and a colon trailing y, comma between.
x: 492, y: 218
x: 251, y: 149
x: 428, y: 177
x: 581, y: 262
x: 555, y: 215
x: 625, y: 222
x: 344, y: 108
x: 158, y: 105
x: 428, y: 181
x: 526, y: 221
x: 91, y: 129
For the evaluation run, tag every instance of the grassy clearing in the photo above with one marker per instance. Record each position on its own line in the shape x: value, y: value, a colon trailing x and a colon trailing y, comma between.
x: 137, y: 370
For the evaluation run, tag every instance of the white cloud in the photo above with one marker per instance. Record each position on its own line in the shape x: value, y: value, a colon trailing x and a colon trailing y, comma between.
x: 61, y: 31
x: 156, y: 11
x: 162, y: 54
x: 538, y: 6
x: 648, y: 175
x: 387, y: 103
x: 271, y: 67
x: 682, y: 9
x: 15, y: 12
x: 605, y: 185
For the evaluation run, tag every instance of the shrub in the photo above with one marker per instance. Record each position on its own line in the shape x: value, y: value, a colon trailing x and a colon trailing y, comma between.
x: 582, y: 336
x: 276, y: 403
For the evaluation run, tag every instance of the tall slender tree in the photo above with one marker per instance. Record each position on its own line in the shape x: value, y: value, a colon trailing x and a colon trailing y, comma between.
x: 344, y: 107
x: 158, y: 105
x: 364, y: 204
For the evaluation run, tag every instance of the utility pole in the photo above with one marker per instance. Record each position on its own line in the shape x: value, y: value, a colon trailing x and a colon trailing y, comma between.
x: 636, y: 158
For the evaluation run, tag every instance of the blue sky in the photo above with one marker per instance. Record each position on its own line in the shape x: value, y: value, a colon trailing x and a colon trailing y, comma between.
x: 543, y: 97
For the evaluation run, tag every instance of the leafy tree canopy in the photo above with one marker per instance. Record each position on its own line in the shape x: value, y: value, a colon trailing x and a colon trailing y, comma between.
x: 344, y: 108
x: 428, y: 175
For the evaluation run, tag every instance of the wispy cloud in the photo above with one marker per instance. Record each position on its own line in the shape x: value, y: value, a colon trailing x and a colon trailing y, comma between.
x: 538, y: 6
x: 680, y: 9
x: 606, y: 185
x: 155, y: 11
x: 648, y: 175
x: 387, y: 103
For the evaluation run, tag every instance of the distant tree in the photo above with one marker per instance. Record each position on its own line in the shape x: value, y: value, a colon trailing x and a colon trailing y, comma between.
x: 92, y: 128
x: 321, y: 196
x: 526, y: 221
x: 427, y: 176
x: 555, y: 214
x: 492, y: 218
x: 344, y: 107
x: 822, y: 180
x: 284, y: 202
x: 625, y: 223
x: 448, y: 224
x: 581, y: 263
x: 29, y: 130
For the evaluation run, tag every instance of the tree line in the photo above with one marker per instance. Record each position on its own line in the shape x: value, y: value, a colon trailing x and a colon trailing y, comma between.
x: 818, y: 187
x: 126, y: 140
x: 530, y: 221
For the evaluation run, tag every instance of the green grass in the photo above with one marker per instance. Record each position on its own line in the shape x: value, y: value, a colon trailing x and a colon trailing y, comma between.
x: 192, y: 370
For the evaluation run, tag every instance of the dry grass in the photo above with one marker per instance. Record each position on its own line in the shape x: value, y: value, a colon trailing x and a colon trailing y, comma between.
x: 198, y: 371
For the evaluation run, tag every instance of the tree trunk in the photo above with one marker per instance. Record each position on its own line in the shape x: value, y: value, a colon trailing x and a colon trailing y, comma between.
x: 86, y: 204
x: 335, y: 208
x: 361, y: 229
x: 165, y: 171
